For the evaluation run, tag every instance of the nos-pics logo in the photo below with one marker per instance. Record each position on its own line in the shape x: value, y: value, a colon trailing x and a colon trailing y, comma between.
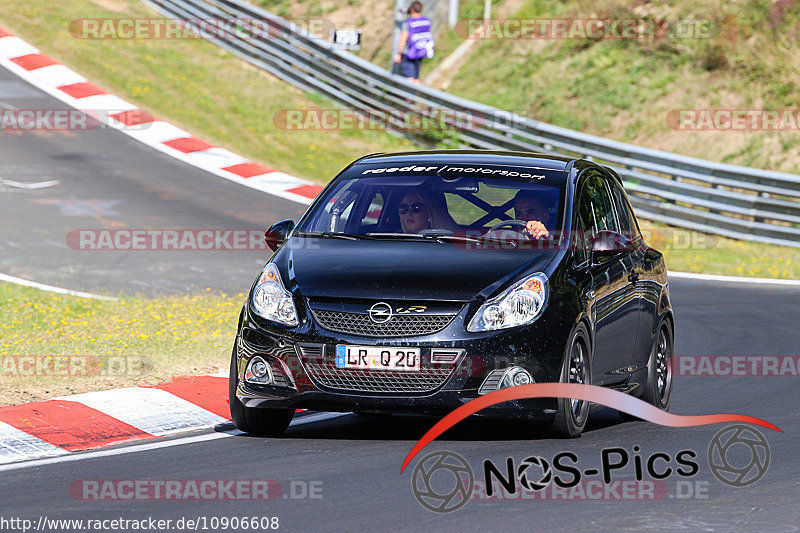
x: 443, y: 481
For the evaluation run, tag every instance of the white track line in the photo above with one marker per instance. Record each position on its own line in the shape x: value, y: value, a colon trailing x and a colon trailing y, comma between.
x: 309, y: 419
x: 735, y: 279
x: 51, y: 288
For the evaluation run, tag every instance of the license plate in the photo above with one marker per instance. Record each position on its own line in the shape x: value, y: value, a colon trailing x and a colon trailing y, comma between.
x: 377, y: 358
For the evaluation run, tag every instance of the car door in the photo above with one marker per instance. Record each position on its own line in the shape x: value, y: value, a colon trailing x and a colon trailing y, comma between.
x: 614, y: 308
x: 647, y: 293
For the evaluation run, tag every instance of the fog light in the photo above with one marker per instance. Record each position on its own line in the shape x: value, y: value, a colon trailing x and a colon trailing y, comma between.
x: 521, y: 378
x: 515, y: 375
x: 505, y: 377
x: 258, y: 372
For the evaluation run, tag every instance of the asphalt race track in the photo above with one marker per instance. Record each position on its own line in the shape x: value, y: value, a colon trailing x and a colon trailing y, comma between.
x: 107, y: 180
x: 116, y: 182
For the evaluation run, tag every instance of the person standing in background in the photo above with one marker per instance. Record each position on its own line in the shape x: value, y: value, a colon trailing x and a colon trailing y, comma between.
x: 416, y: 43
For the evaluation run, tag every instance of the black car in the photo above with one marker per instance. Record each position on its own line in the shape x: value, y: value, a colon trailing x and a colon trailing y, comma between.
x: 416, y: 282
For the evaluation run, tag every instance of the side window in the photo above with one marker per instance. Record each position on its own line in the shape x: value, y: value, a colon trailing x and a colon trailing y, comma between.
x: 603, y: 207
x: 627, y: 221
x: 595, y: 210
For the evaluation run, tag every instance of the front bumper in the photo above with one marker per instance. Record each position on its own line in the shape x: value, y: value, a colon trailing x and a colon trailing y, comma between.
x: 538, y: 348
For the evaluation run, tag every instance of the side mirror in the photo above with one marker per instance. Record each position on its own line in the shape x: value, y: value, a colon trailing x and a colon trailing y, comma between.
x: 278, y: 232
x: 607, y: 244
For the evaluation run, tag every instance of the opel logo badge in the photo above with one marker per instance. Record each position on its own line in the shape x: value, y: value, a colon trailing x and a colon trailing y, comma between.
x: 380, y: 313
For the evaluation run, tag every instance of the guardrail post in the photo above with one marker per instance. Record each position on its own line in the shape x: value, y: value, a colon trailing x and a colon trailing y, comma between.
x: 714, y: 186
x: 758, y: 218
x: 673, y: 177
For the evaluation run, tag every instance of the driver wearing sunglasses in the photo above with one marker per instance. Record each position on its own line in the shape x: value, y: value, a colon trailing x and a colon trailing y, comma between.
x: 415, y: 215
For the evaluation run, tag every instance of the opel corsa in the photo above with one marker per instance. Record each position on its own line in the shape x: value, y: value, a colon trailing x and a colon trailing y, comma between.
x: 416, y: 282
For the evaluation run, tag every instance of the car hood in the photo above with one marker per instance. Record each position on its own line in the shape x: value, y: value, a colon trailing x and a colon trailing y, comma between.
x: 400, y: 270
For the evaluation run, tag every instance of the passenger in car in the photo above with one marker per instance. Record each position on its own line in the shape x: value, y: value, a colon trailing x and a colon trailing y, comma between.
x: 419, y: 210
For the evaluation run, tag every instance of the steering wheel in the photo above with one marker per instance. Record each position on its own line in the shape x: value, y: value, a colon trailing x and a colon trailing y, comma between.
x: 517, y: 226
x: 520, y: 223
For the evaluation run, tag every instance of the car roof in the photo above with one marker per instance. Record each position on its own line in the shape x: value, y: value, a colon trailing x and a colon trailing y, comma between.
x: 472, y: 157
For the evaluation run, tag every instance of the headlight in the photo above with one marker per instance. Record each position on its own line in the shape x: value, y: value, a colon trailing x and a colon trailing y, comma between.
x: 271, y: 300
x: 522, y: 303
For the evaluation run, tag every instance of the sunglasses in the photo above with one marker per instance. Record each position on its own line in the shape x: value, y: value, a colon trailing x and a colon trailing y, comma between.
x: 414, y: 208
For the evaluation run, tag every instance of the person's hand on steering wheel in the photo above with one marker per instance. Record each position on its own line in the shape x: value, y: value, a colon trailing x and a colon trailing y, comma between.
x: 536, y: 230
x: 532, y: 229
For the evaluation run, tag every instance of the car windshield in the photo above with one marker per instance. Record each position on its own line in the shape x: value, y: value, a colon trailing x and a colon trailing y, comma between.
x: 422, y: 202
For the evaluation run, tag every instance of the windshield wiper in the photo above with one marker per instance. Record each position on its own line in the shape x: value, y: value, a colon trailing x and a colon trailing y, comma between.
x: 401, y: 236
x: 454, y: 238
x: 331, y: 235
x: 429, y: 235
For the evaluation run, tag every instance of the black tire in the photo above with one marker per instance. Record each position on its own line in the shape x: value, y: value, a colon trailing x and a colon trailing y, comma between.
x: 259, y: 422
x: 576, y: 367
x: 658, y: 386
x: 658, y: 390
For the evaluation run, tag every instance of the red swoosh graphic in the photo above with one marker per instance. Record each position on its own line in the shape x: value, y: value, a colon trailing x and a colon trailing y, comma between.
x: 591, y: 393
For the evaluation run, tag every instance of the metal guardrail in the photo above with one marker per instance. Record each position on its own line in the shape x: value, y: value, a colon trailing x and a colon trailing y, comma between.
x: 728, y: 200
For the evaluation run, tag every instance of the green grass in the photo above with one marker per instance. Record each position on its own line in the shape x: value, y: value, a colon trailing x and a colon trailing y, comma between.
x: 624, y: 89
x: 133, y: 341
x: 690, y: 251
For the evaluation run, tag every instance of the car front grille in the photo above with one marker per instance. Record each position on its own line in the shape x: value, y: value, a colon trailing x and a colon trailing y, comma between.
x: 397, y: 326
x: 426, y: 380
x: 324, y: 373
